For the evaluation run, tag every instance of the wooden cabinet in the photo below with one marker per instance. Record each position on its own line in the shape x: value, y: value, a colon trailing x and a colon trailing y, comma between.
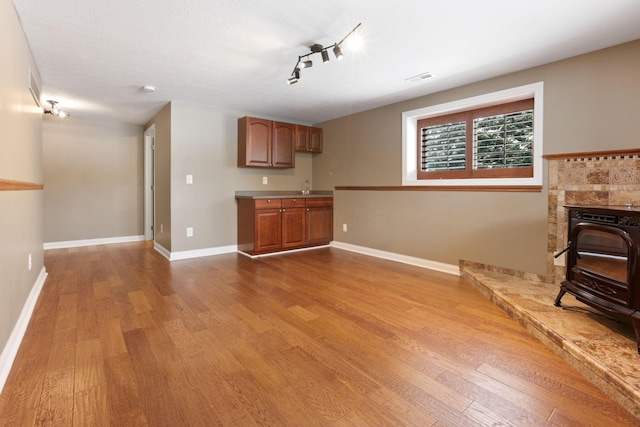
x: 283, y: 152
x: 293, y: 223
x: 265, y: 144
x: 315, y: 140
x: 302, y: 138
x: 267, y: 219
x: 271, y: 225
x: 319, y: 220
x: 308, y: 139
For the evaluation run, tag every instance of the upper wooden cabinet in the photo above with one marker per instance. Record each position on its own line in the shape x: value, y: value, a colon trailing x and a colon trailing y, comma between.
x: 265, y: 143
x: 302, y: 138
x: 283, y: 154
x: 308, y: 139
x: 315, y: 140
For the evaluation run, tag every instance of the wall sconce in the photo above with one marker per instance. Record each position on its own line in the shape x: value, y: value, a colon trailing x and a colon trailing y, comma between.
x: 303, y: 62
x: 55, y: 111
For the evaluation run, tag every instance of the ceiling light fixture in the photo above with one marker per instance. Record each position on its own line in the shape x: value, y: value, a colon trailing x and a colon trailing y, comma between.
x: 55, y: 111
x: 295, y: 76
x: 317, y: 48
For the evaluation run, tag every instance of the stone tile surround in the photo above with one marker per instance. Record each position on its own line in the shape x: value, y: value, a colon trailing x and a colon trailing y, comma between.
x: 604, y: 178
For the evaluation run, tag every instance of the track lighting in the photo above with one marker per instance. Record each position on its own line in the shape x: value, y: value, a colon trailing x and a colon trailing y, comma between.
x: 317, y: 48
x: 337, y: 52
x: 295, y: 76
x: 55, y: 111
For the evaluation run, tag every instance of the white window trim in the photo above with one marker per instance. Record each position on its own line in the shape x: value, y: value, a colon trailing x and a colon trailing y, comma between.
x: 410, y: 138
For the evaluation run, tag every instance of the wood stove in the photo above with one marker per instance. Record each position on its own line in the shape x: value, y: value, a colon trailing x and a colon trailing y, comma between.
x: 602, y: 261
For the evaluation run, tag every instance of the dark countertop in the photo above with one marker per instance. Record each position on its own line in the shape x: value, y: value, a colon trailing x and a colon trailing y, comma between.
x: 280, y: 194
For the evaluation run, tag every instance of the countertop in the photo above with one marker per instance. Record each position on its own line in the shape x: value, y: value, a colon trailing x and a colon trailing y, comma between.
x: 281, y: 194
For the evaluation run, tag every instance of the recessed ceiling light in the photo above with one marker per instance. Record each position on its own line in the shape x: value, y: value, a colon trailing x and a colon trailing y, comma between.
x: 419, y: 77
x: 148, y: 88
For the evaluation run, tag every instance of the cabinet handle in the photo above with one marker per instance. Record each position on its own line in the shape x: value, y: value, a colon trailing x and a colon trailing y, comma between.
x: 268, y: 200
x: 307, y: 209
x: 283, y: 210
x: 294, y: 200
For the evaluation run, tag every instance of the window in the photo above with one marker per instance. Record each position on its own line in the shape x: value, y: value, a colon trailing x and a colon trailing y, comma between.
x: 489, y: 140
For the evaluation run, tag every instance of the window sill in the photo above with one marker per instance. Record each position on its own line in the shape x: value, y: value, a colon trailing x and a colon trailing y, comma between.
x: 485, y: 188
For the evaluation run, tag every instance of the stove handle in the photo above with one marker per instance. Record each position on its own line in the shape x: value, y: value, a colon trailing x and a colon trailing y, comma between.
x: 563, y: 251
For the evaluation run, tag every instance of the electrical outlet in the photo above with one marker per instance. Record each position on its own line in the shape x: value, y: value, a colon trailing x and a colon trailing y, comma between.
x: 189, y: 231
x: 344, y: 227
x: 265, y: 180
x: 161, y: 228
x: 189, y: 179
x: 30, y: 263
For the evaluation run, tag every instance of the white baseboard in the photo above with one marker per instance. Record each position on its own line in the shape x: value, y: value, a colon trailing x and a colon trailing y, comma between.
x: 162, y: 250
x: 93, y: 242
x: 405, y: 259
x: 15, y: 339
x: 288, y: 251
x: 196, y: 253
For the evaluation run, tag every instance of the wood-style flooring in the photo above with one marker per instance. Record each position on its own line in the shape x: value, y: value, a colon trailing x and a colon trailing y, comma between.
x: 122, y: 337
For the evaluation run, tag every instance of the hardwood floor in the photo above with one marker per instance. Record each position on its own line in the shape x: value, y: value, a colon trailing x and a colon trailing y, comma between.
x: 122, y: 337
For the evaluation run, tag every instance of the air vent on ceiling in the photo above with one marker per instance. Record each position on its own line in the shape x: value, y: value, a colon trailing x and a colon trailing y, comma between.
x: 419, y: 78
x: 34, y: 87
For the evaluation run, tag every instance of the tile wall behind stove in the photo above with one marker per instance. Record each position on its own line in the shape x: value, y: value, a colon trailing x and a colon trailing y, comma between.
x: 592, y: 179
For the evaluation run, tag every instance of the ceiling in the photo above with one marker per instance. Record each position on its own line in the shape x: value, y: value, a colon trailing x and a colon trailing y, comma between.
x: 95, y: 56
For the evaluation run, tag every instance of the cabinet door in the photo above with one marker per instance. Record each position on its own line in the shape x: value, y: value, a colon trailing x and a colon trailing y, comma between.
x: 283, y: 151
x: 319, y: 225
x: 315, y: 140
x: 268, y: 231
x: 302, y: 138
x: 254, y: 142
x: 293, y: 227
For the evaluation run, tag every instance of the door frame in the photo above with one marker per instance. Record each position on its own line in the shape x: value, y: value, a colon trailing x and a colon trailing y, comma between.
x: 149, y: 182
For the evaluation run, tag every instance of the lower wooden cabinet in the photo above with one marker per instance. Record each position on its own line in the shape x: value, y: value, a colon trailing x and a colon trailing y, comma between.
x: 319, y: 218
x: 271, y: 225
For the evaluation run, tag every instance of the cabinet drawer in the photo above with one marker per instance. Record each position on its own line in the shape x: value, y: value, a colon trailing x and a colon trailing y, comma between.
x: 319, y: 201
x: 268, y: 203
x: 293, y: 203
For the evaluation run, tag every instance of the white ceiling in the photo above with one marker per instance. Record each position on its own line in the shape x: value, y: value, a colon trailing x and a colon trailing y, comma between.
x: 94, y: 56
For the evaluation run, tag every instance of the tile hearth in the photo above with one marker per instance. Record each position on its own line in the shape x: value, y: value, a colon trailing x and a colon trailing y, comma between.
x: 600, y: 348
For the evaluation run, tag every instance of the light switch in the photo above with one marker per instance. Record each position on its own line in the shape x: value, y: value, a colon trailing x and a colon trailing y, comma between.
x: 189, y: 179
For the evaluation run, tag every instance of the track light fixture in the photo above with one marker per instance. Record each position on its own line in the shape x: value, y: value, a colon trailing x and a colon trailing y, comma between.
x: 55, y: 111
x: 295, y: 76
x: 303, y: 62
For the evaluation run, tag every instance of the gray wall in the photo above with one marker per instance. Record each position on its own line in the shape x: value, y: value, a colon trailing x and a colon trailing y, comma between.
x: 591, y: 103
x: 93, y: 173
x: 21, y: 160
x: 203, y: 142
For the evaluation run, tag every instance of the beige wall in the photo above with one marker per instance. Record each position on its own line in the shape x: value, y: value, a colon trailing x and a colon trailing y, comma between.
x: 21, y: 160
x: 93, y: 174
x: 162, y: 179
x: 203, y: 143
x: 591, y: 102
